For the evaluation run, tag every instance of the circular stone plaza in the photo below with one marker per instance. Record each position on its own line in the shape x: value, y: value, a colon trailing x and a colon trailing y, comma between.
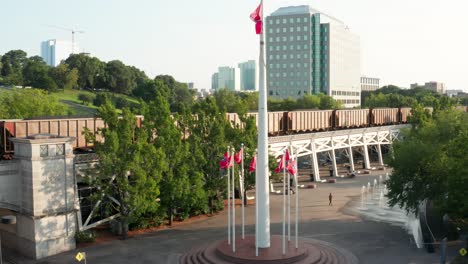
x: 344, y: 236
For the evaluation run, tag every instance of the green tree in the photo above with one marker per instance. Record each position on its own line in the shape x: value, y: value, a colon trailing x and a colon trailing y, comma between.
x: 119, y: 78
x: 90, y: 70
x: 64, y: 77
x: 85, y: 98
x: 36, y: 74
x: 210, y: 132
x: 430, y: 163
x: 175, y: 181
x: 28, y: 103
x: 129, y: 168
x: 12, y: 67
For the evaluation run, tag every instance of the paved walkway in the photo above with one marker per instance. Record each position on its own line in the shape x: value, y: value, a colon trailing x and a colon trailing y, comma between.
x: 371, y: 242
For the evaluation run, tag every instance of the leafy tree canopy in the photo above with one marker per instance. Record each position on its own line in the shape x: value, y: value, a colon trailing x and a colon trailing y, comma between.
x: 430, y: 163
x: 28, y: 103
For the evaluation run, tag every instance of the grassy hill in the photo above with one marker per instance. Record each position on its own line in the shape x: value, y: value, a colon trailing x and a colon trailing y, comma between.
x: 77, y: 107
x: 70, y: 98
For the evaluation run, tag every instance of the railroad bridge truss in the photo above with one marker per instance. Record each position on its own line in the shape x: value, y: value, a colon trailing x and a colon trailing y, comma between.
x: 347, y: 141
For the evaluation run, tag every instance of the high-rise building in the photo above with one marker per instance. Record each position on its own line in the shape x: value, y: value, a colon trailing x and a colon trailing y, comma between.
x: 309, y: 52
x: 55, y: 51
x: 432, y: 86
x: 369, y: 83
x: 226, y: 78
x: 214, y: 81
x: 248, y: 75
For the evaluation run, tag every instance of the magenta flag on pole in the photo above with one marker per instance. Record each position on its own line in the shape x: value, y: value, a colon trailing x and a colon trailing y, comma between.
x: 238, y: 157
x: 224, y: 163
x: 253, y: 164
x: 256, y: 17
x: 280, y: 166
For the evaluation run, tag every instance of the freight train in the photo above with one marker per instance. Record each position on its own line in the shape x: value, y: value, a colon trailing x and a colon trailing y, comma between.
x: 279, y: 123
x: 65, y: 127
x: 305, y: 121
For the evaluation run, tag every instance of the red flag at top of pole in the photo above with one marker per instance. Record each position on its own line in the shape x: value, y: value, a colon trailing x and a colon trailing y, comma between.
x: 253, y: 164
x: 287, y: 155
x: 280, y: 166
x: 292, y: 167
x: 256, y: 17
x: 238, y: 157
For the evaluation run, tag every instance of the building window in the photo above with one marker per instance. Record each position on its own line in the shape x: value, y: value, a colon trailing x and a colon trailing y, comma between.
x: 298, y: 37
x: 44, y: 150
x: 291, y: 20
x: 277, y: 39
x: 60, y: 150
x: 291, y: 29
x: 306, y: 65
x: 285, y: 56
x: 284, y: 47
x: 305, y: 28
x: 298, y: 47
x: 277, y: 30
x: 284, y: 30
x: 306, y: 56
x: 284, y: 66
x: 306, y: 19
x: 277, y: 21
x: 277, y: 74
x: 291, y: 47
x: 291, y: 74
x: 298, y: 65
x: 298, y: 20
x: 270, y: 39
x: 270, y: 21
x: 284, y: 38
x: 291, y: 38
x: 277, y: 48
x: 285, y: 74
x: 291, y: 83
x: 284, y: 20
x: 291, y: 56
x: 298, y: 29
x: 305, y: 37
x: 306, y: 47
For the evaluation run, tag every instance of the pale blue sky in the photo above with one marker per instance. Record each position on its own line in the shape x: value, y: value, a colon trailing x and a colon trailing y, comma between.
x: 402, y: 41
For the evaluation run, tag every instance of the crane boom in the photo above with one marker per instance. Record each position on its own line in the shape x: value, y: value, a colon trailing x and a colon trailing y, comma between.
x: 73, y: 31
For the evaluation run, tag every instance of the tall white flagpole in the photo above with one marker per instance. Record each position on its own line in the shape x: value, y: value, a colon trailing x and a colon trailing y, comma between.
x: 297, y: 201
x: 242, y: 190
x: 262, y: 177
x: 284, y: 203
x: 256, y: 211
x: 289, y: 206
x: 233, y: 203
x: 229, y: 199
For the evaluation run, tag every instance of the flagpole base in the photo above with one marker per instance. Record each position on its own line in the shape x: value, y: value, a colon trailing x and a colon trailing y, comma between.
x: 309, y: 251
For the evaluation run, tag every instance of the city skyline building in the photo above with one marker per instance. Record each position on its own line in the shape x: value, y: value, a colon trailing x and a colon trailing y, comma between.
x: 55, y: 51
x: 437, y: 87
x: 226, y: 78
x: 248, y: 75
x: 369, y: 83
x: 309, y: 52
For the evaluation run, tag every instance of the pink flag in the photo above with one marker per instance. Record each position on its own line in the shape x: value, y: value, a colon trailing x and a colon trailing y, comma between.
x: 238, y: 157
x: 292, y: 167
x: 224, y: 162
x: 280, y: 166
x: 256, y: 17
x: 253, y: 164
x: 287, y: 155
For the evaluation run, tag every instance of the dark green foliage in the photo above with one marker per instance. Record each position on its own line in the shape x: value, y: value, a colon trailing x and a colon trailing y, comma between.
x: 430, y: 163
x: 100, y: 99
x: 85, y: 98
x: 130, y: 169
x: 87, y: 236
x: 393, y: 96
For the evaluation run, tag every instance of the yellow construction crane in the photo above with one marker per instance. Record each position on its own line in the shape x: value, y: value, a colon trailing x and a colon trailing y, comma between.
x: 73, y: 31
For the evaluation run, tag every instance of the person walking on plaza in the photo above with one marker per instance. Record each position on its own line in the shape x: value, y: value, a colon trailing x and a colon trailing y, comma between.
x: 330, y: 198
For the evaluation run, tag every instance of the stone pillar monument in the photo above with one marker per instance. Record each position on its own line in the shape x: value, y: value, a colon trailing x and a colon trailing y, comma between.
x: 46, y: 220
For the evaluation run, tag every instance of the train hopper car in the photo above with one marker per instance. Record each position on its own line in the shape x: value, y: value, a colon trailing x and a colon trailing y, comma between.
x: 351, y: 118
x: 309, y: 121
x: 384, y: 116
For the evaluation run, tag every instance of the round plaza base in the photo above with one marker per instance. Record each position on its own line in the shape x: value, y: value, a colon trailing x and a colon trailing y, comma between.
x: 308, y: 251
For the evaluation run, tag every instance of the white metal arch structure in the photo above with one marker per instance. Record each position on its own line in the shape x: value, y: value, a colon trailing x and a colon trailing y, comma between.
x: 313, y: 143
